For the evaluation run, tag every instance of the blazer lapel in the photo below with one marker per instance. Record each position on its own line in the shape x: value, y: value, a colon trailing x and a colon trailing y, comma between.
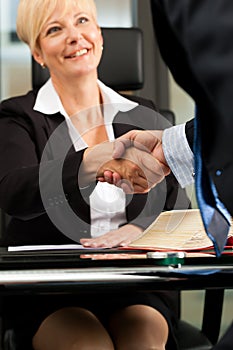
x: 122, y: 124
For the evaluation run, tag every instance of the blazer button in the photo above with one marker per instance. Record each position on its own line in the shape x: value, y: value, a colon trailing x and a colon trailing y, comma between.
x: 218, y: 172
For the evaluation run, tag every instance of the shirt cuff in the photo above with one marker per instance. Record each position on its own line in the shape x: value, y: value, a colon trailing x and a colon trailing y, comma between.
x: 178, y: 154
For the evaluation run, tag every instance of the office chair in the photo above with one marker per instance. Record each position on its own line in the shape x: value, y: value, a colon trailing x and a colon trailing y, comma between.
x: 117, y: 69
x: 121, y: 68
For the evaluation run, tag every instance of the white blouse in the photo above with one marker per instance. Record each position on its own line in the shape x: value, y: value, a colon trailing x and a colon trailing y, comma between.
x: 107, y: 202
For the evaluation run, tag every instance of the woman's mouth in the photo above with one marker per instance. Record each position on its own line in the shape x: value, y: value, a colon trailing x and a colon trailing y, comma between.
x: 78, y: 53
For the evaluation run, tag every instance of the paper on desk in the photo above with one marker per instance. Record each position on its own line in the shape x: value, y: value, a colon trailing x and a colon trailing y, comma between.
x: 45, y: 247
x: 176, y: 230
x: 172, y: 230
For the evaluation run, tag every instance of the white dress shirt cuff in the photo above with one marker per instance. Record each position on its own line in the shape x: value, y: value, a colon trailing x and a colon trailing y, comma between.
x: 178, y: 154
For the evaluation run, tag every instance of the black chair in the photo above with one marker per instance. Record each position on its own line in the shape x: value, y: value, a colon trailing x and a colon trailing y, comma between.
x: 117, y: 69
x: 121, y: 68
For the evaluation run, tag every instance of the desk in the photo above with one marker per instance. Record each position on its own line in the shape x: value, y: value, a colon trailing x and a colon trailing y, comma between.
x: 69, y: 273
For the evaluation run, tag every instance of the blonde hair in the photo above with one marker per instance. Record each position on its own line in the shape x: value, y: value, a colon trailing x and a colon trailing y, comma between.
x: 33, y: 14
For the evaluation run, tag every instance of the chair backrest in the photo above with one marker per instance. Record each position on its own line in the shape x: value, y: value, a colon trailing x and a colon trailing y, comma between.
x: 121, y: 66
x: 169, y: 115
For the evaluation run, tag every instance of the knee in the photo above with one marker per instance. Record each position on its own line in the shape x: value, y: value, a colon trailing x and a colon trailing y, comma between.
x: 72, y: 329
x: 144, y: 346
x: 93, y: 346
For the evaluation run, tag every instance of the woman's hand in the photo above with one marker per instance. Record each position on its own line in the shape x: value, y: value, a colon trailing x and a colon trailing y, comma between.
x: 116, y: 238
x: 148, y: 141
x: 138, y: 170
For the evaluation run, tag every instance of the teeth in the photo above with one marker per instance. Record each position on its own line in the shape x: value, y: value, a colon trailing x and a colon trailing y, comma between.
x: 80, y: 53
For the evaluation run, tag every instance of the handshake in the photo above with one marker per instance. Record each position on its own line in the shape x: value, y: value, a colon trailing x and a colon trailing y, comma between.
x: 136, y: 164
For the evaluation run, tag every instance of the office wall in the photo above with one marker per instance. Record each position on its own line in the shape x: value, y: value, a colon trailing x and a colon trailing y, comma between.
x: 116, y: 13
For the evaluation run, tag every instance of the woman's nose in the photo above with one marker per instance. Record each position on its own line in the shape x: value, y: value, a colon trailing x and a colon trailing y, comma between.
x: 73, y: 35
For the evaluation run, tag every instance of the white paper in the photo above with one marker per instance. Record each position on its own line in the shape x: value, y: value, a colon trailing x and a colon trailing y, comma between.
x: 46, y: 247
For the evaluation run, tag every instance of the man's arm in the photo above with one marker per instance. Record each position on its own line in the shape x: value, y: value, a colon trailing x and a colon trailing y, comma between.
x: 178, y: 154
x: 170, y: 147
x: 138, y: 170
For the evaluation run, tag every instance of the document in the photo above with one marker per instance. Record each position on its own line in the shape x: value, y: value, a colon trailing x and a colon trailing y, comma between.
x: 45, y: 247
x: 176, y: 230
x: 180, y: 230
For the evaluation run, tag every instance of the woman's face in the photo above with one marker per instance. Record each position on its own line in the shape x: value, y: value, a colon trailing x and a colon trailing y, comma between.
x: 70, y: 44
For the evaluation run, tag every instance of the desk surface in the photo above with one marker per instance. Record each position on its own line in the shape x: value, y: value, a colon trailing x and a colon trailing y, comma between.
x: 68, y: 272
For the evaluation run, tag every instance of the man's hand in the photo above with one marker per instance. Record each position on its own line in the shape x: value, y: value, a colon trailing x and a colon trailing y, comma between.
x: 137, y: 171
x: 148, y: 141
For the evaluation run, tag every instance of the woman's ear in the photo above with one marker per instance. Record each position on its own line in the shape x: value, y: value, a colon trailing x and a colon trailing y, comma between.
x: 102, y: 38
x: 100, y: 31
x: 38, y: 58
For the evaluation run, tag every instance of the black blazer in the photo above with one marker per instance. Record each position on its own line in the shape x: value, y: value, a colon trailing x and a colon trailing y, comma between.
x: 195, y: 40
x: 45, y: 201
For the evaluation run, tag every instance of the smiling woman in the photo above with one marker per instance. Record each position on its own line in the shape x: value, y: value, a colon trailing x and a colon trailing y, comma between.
x: 29, y: 25
x: 55, y: 142
x: 67, y: 37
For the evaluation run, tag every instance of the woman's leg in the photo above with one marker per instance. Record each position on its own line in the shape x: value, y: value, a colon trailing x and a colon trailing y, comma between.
x: 71, y: 329
x: 138, y: 327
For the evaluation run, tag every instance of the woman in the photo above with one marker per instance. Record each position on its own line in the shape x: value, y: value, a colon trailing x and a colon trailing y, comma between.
x: 54, y: 145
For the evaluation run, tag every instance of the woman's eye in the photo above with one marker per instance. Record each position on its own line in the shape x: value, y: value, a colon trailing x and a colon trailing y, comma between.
x: 83, y: 20
x: 53, y: 30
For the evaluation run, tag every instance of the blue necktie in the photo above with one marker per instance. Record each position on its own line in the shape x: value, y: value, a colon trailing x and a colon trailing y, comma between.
x: 216, y: 219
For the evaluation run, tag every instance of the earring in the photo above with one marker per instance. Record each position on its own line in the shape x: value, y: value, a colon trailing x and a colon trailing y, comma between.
x: 43, y: 66
x: 102, y: 47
